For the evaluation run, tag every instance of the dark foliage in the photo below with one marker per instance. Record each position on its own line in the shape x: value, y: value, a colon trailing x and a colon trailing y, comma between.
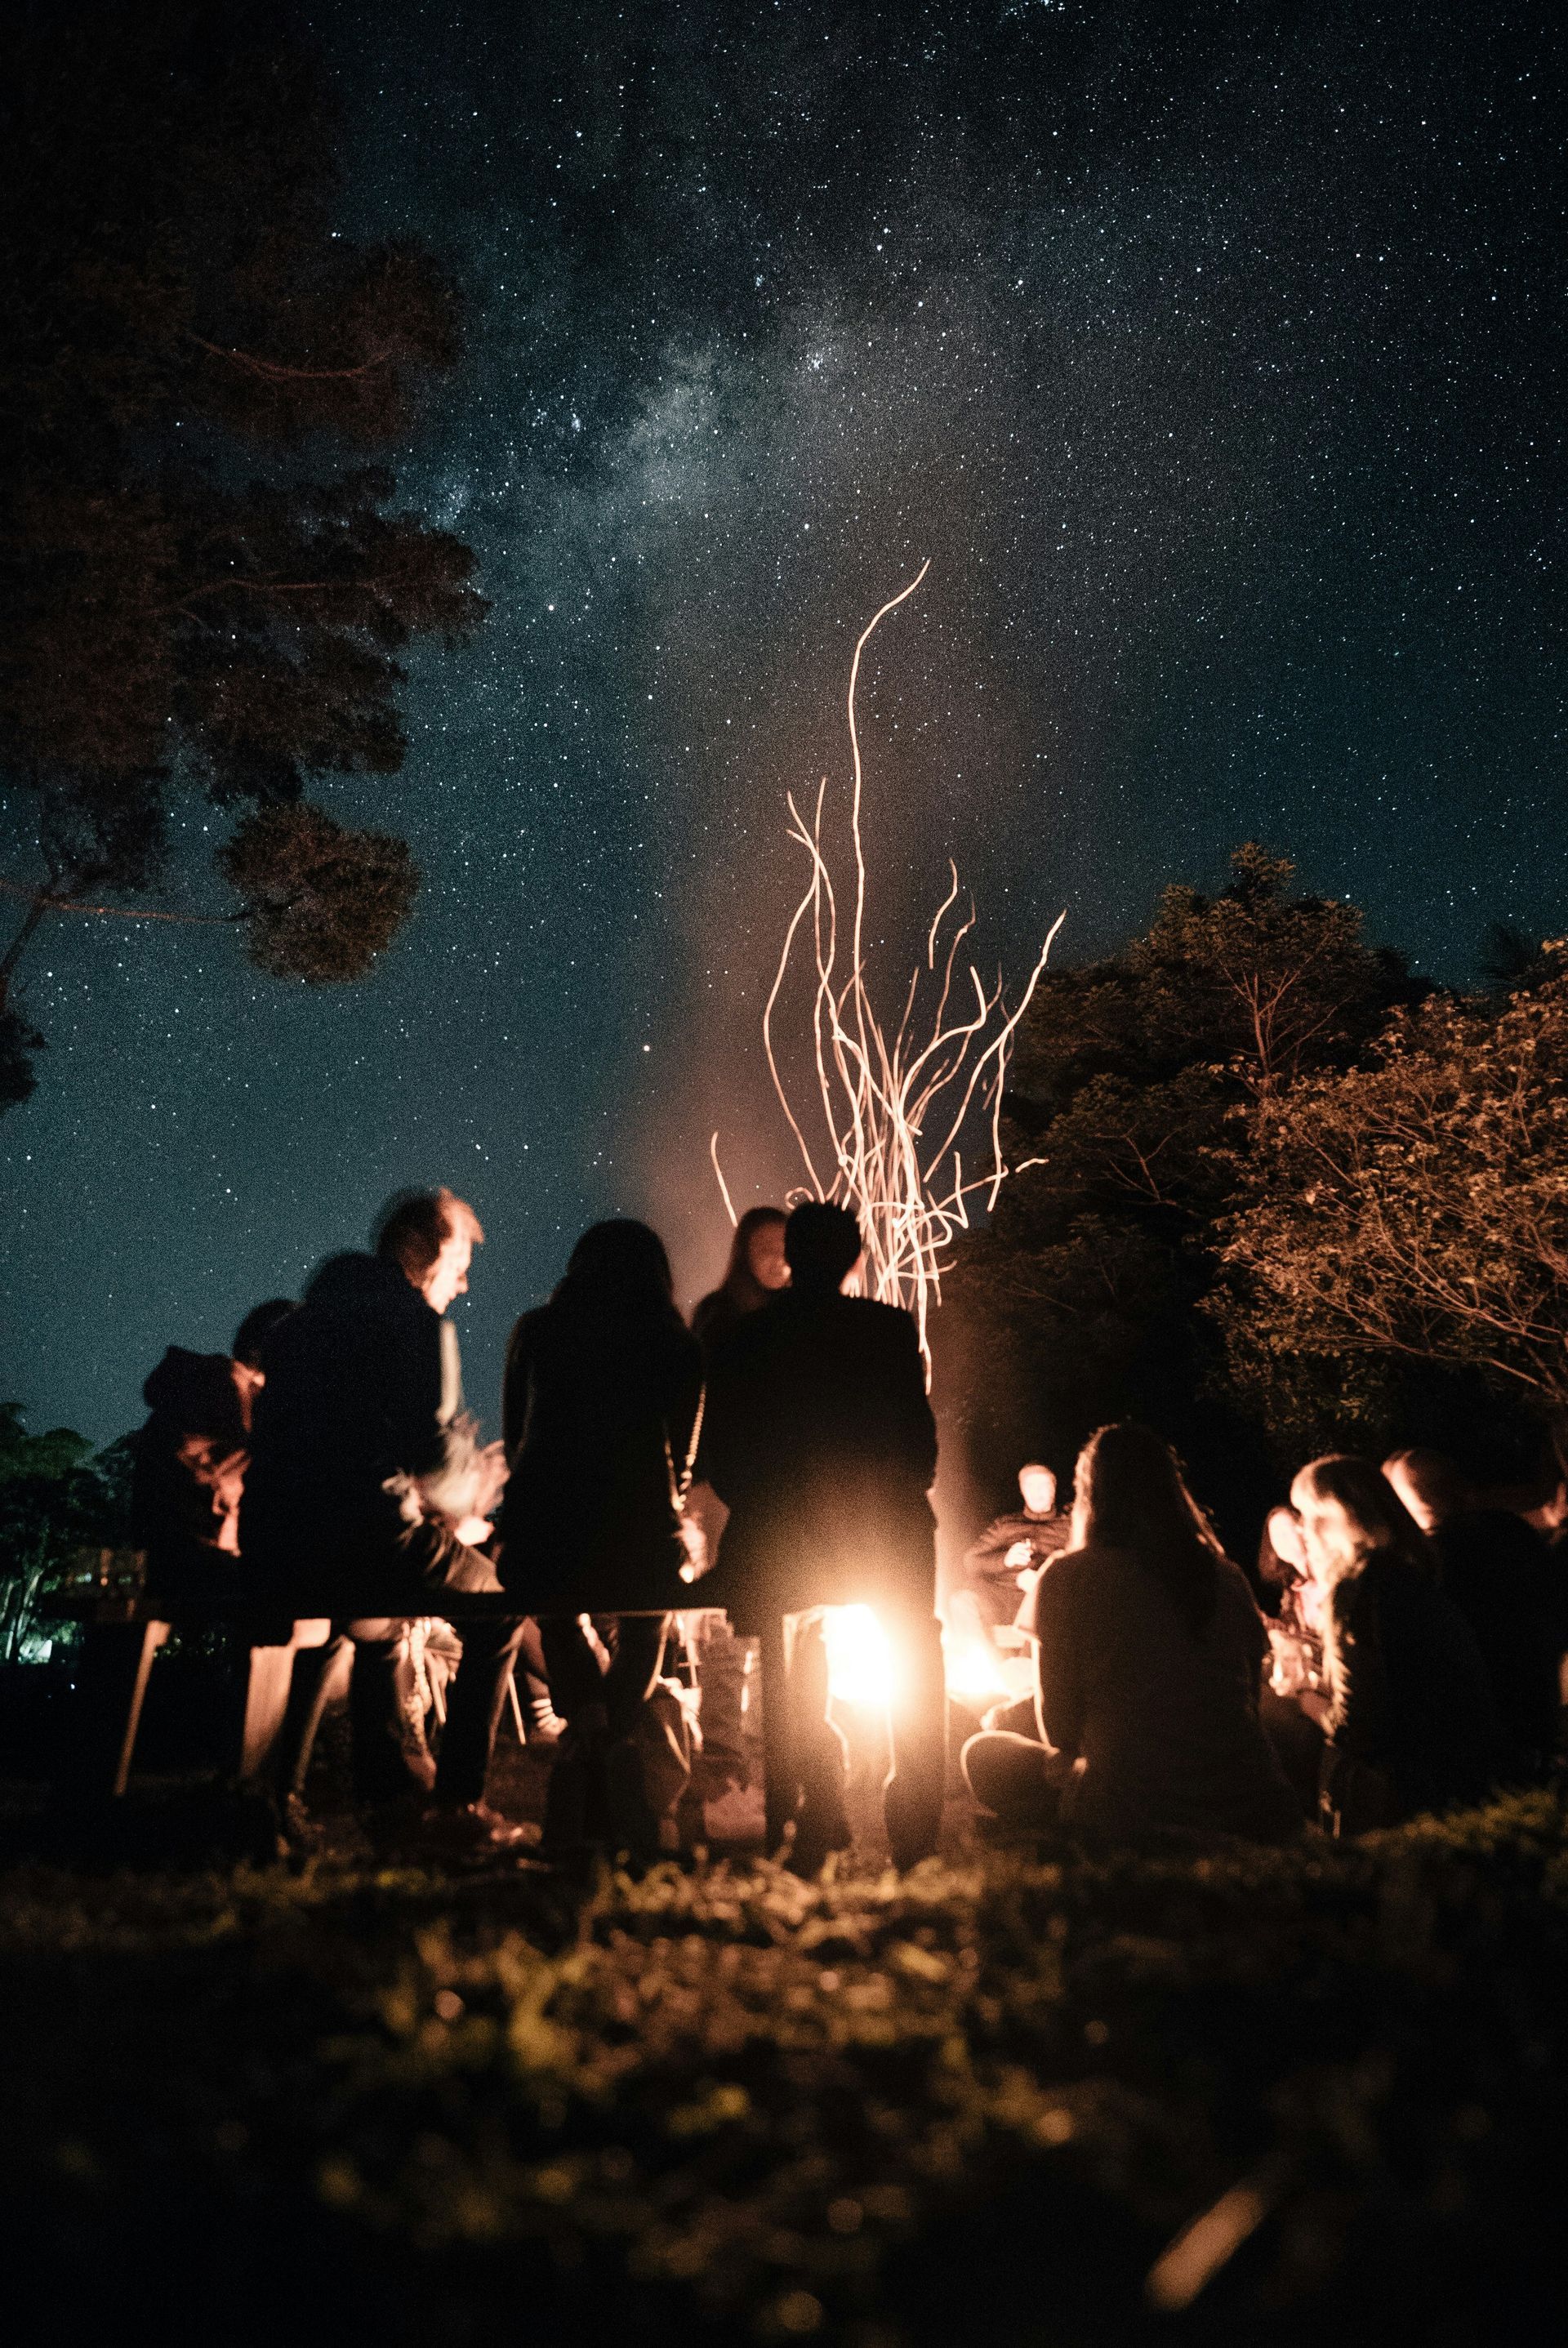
x: 201, y: 589
x: 55, y: 1498
x: 1134, y: 1081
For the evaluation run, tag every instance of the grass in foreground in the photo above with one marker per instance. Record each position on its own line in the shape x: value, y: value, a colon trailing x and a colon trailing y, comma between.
x: 981, y: 2102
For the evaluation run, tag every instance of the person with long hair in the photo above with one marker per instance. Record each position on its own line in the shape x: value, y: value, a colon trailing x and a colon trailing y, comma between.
x: 600, y: 1407
x: 1411, y: 1720
x: 753, y: 1275
x: 1151, y: 1657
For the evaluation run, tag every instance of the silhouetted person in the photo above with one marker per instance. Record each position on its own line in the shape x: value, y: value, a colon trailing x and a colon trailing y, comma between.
x: 1411, y: 1721
x: 190, y: 1462
x: 361, y: 1407
x: 1499, y: 1573
x: 820, y: 1441
x: 599, y: 1415
x: 1151, y: 1653
x: 755, y: 1274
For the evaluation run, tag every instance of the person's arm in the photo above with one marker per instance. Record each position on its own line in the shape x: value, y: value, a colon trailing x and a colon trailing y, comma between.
x: 917, y: 1425
x: 989, y: 1557
x: 1060, y: 1695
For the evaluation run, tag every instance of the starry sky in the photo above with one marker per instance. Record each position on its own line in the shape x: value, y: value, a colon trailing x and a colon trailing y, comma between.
x: 1210, y: 353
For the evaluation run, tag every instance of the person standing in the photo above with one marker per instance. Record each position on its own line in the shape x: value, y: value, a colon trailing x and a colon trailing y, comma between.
x: 820, y: 1442
x: 756, y: 1273
x: 360, y: 1406
x: 599, y: 1413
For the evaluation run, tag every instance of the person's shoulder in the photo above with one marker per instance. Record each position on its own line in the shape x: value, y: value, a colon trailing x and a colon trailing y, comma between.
x: 525, y: 1329
x: 889, y: 1324
x: 1073, y: 1571
x: 1235, y: 1583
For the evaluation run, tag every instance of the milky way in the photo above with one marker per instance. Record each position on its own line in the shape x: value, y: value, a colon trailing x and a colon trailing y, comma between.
x: 1211, y: 355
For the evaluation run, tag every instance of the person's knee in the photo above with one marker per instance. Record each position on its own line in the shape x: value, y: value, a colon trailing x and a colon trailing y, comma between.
x: 1007, y: 1774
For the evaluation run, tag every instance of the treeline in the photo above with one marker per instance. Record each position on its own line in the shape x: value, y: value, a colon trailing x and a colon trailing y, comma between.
x: 1286, y: 1198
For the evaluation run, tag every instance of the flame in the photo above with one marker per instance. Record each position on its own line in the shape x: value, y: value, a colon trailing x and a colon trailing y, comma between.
x: 975, y: 1671
x: 859, y: 1664
x: 897, y: 1113
x: 861, y: 1667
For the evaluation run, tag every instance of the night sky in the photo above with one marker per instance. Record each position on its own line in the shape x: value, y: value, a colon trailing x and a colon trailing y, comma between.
x: 1211, y: 355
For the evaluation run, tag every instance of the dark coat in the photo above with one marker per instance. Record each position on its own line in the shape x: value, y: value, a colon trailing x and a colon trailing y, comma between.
x: 1414, y: 1725
x: 595, y: 1406
x: 361, y: 1385
x: 1498, y: 1572
x: 820, y: 1439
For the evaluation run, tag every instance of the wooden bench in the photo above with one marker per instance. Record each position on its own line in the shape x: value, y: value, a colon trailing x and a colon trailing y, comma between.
x: 125, y: 1633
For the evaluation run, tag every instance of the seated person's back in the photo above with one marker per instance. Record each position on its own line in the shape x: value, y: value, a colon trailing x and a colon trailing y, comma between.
x: 1161, y: 1711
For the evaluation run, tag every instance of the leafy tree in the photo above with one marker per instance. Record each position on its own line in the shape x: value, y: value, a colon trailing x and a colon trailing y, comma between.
x: 1134, y: 1081
x: 55, y: 1498
x: 205, y: 588
x: 1415, y: 1208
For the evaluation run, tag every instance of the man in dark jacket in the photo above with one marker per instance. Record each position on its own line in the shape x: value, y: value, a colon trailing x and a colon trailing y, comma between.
x: 820, y: 1441
x: 361, y: 1405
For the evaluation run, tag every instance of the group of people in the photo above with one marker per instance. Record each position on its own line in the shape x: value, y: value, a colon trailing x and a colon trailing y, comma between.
x: 354, y: 1488
x: 780, y: 1451
x: 1401, y: 1650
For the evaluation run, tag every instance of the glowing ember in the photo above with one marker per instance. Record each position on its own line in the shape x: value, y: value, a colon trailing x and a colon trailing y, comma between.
x: 896, y: 1111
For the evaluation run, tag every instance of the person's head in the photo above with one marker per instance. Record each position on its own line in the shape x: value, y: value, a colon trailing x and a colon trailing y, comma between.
x: 253, y: 1331
x: 1283, y: 1526
x: 822, y: 1246
x: 1039, y: 1487
x: 1431, y: 1488
x: 1350, y: 1513
x: 431, y: 1236
x: 757, y: 1267
x: 620, y: 1268
x: 1130, y: 1495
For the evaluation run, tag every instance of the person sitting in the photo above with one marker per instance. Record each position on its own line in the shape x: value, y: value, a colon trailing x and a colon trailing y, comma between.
x: 754, y: 1276
x: 819, y: 1441
x: 361, y: 1408
x: 1150, y: 1651
x: 1498, y: 1572
x: 1014, y: 1547
x: 599, y: 1415
x: 190, y: 1461
x: 1411, y: 1722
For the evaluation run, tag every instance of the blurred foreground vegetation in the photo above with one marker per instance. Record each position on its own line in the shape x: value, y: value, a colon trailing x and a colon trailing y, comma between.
x: 977, y: 2102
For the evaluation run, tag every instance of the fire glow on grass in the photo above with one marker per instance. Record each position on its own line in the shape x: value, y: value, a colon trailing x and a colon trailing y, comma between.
x: 897, y: 1108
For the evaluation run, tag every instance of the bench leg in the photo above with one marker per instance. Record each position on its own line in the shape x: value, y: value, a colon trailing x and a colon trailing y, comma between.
x: 116, y: 1659
x: 268, y: 1679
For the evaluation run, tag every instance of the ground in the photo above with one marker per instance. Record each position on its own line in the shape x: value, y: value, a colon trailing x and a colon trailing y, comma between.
x: 1016, y: 2096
